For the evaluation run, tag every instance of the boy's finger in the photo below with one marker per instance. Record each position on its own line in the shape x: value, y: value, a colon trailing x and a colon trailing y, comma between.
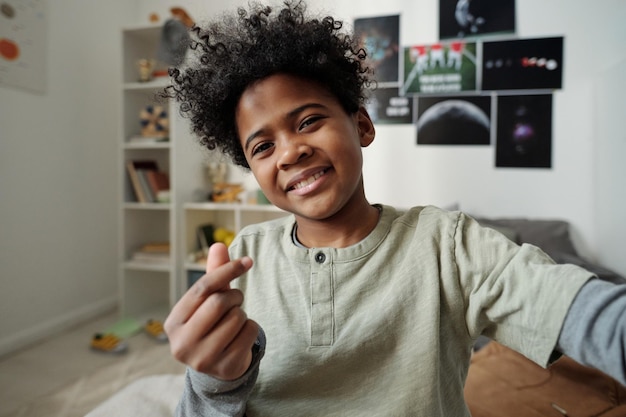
x: 212, y: 281
x: 218, y: 255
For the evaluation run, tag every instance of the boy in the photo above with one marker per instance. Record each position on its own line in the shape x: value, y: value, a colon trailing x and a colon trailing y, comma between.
x: 367, y: 310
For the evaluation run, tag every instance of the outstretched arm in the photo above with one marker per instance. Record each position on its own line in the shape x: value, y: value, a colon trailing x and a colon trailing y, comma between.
x: 594, y: 331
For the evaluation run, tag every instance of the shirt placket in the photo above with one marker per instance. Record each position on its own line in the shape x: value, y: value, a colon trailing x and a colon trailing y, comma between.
x: 322, y: 321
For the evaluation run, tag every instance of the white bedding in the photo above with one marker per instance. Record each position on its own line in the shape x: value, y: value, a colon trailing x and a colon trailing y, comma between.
x: 150, y: 396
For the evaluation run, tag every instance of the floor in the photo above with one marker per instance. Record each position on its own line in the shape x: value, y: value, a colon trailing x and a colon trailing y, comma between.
x: 63, y: 377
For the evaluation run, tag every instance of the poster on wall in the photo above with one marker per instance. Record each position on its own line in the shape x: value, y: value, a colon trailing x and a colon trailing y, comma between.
x: 386, y: 106
x: 454, y: 120
x: 523, y: 64
x: 439, y: 68
x: 380, y: 38
x: 23, y: 26
x: 475, y: 18
x: 524, y: 132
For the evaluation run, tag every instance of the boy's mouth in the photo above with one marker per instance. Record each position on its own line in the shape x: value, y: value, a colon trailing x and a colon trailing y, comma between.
x: 307, y: 181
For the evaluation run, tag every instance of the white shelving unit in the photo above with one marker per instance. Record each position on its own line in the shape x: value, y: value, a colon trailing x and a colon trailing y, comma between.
x: 232, y: 216
x: 146, y: 289
x: 149, y: 290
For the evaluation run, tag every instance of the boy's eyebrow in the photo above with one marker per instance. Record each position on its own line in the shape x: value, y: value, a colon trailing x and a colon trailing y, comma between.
x: 289, y: 115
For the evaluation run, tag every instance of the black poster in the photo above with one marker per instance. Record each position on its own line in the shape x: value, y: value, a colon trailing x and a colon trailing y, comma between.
x: 524, y: 133
x: 475, y: 18
x: 523, y: 64
x: 460, y: 120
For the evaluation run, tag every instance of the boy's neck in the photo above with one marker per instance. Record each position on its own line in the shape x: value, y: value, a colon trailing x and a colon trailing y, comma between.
x: 345, y: 229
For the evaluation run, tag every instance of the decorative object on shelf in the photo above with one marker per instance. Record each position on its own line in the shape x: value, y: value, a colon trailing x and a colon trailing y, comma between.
x: 175, y: 38
x: 216, y: 172
x: 144, y: 68
x: 207, y: 235
x: 182, y: 15
x: 154, y: 121
x: 225, y: 192
x: 261, y: 198
x: 219, y: 189
x: 224, y: 235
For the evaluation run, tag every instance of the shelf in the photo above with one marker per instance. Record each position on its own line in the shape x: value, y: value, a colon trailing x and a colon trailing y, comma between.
x: 155, y: 84
x: 233, y: 206
x: 147, y: 266
x: 147, y: 206
x: 144, y: 146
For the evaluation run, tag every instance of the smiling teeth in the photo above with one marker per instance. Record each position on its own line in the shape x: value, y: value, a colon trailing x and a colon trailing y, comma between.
x: 308, y: 181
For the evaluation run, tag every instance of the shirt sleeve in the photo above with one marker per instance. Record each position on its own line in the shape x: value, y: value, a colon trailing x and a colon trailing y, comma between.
x: 594, y: 330
x: 206, y: 396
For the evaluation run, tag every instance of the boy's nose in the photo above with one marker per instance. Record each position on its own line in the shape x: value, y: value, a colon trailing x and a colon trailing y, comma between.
x: 291, y: 152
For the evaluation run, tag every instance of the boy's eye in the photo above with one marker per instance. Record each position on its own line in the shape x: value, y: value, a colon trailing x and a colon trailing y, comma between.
x: 261, y: 147
x: 309, y: 121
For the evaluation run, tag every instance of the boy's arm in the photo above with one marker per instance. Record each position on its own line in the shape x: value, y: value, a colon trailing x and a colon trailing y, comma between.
x: 594, y: 330
x: 207, y: 396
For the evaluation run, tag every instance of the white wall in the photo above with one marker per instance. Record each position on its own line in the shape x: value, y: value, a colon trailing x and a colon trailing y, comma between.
x: 400, y: 173
x: 58, y: 178
x: 58, y: 152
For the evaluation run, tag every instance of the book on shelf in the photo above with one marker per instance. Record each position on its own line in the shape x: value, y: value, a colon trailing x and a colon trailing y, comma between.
x: 145, y: 186
x: 159, y: 183
x: 147, y: 140
x: 148, y: 182
x: 154, y: 252
x: 205, y: 237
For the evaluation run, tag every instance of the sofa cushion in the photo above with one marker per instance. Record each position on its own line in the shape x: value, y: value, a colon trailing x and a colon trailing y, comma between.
x: 552, y: 236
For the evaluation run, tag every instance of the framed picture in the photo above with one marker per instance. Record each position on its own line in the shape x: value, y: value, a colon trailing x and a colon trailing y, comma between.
x: 439, y: 68
x: 475, y: 18
x: 379, y: 37
x: 524, y: 132
x: 523, y: 64
x: 454, y: 120
x: 386, y: 106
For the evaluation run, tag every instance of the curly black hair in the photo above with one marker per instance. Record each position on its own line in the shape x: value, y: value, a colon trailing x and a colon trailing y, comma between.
x: 234, y: 51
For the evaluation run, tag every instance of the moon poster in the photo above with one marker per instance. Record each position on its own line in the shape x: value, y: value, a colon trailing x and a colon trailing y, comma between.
x: 524, y: 133
x: 439, y: 68
x: 475, y: 18
x: 23, y: 26
x: 454, y: 120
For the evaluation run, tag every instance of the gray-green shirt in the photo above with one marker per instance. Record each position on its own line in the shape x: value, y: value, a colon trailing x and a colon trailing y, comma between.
x: 386, y: 326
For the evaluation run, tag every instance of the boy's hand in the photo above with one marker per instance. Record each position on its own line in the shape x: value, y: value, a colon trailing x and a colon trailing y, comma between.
x: 208, y: 330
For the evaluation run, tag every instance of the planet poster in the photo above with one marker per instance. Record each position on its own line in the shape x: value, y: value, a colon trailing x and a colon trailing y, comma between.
x: 439, y: 68
x: 523, y: 64
x: 524, y: 132
x: 23, y: 27
x: 454, y: 120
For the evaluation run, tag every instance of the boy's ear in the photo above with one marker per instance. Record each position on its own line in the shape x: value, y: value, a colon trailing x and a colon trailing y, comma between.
x: 365, y: 126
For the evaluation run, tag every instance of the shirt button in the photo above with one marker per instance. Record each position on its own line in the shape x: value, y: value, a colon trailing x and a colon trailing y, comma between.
x: 320, y: 258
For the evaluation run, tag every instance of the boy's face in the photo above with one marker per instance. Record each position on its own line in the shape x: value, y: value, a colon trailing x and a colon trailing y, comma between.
x: 302, y: 146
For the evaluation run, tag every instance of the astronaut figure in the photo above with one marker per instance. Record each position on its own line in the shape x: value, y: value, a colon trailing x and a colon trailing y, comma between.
x: 466, y: 19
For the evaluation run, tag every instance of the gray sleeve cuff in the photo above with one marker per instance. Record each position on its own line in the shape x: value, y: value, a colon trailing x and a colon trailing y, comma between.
x: 594, y: 330
x: 208, y: 396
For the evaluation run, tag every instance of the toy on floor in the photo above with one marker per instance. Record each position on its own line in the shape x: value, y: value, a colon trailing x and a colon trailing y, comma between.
x: 108, y: 343
x: 154, y: 328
